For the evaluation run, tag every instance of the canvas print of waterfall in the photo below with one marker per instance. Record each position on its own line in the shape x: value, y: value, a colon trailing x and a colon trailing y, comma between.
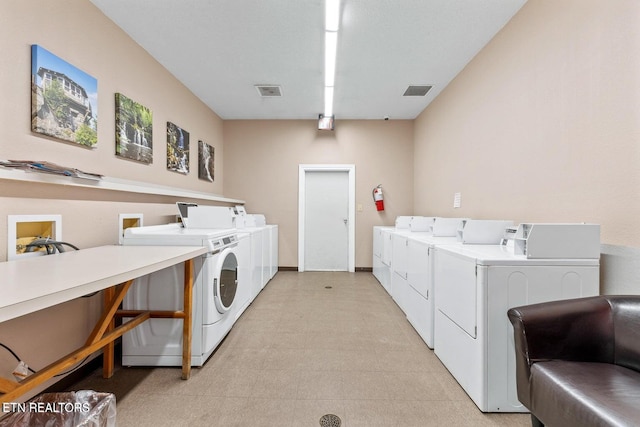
x: 177, y: 149
x: 64, y: 99
x: 133, y: 130
x: 205, y: 161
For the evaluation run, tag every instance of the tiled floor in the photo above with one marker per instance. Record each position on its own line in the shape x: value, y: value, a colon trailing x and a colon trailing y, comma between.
x: 300, y: 351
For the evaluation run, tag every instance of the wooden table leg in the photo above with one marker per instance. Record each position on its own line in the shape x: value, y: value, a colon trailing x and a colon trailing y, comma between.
x: 69, y: 361
x: 187, y: 322
x: 108, y: 357
x: 113, y: 296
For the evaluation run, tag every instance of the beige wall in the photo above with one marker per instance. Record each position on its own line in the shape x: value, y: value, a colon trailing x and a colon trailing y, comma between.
x: 77, y: 32
x: 261, y: 166
x: 543, y: 125
x: 80, y: 34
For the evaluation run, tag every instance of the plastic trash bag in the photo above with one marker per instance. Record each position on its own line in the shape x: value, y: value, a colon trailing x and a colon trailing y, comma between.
x: 83, y: 408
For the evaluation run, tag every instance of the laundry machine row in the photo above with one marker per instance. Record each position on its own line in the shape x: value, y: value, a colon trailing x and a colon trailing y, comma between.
x: 237, y: 265
x: 262, y: 240
x: 388, y: 240
x: 412, y: 263
x: 456, y: 290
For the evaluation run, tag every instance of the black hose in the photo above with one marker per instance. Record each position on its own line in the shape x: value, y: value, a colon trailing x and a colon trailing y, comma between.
x: 50, y: 245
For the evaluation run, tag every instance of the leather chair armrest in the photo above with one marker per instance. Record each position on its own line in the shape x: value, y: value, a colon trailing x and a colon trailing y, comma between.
x: 626, y: 317
x: 576, y: 329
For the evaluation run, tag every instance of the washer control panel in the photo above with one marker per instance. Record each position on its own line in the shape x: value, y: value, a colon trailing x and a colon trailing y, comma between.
x: 219, y: 243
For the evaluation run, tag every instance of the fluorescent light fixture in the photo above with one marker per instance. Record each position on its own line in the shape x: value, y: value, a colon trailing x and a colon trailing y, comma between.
x: 332, y: 22
x: 330, y: 52
x: 331, y: 15
x: 328, y: 101
x: 325, y: 122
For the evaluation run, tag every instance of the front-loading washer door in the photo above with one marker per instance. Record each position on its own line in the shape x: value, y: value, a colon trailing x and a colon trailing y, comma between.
x: 225, y: 282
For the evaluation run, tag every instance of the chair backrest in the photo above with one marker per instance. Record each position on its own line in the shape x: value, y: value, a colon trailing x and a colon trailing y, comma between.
x: 626, y: 325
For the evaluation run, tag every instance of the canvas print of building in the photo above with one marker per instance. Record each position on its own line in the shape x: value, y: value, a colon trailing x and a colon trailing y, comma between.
x: 64, y: 99
x: 205, y: 161
x: 177, y: 149
x: 134, y: 124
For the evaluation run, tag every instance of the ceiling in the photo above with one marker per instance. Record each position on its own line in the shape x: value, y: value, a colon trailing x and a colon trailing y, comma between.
x: 222, y: 49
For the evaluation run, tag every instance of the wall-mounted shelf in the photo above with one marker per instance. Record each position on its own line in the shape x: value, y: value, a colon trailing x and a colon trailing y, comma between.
x: 111, y: 184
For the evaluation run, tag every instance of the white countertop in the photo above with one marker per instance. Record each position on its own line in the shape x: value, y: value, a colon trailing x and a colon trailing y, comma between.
x: 36, y: 283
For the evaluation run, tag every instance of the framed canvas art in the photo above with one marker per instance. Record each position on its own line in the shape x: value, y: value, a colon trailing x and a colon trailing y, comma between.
x: 177, y: 149
x: 64, y: 99
x: 205, y: 161
x: 134, y: 126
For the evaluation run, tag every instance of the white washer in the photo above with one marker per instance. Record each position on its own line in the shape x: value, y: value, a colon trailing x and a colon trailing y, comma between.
x: 217, y: 284
x: 475, y: 285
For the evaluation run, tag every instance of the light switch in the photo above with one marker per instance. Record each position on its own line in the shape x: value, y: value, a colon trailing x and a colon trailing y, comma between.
x: 359, y: 207
x: 456, y: 200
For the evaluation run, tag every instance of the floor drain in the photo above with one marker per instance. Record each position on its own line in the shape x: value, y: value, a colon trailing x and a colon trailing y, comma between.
x: 328, y: 287
x: 330, y: 420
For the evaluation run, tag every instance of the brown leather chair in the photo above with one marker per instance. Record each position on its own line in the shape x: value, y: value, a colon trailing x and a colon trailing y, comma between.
x: 578, y: 361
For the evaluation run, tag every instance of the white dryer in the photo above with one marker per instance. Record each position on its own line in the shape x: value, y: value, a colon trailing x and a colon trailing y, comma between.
x: 272, y: 230
x: 382, y: 255
x: 260, y: 247
x: 217, y: 285
x: 399, y: 288
x: 245, y: 295
x: 420, y: 306
x: 384, y: 245
x: 421, y: 296
x: 475, y: 285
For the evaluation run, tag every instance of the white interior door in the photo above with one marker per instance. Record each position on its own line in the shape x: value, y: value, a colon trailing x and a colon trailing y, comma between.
x: 326, y: 228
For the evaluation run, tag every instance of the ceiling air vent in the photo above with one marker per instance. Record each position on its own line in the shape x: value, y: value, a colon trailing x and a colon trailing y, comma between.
x: 417, y: 90
x: 269, y: 91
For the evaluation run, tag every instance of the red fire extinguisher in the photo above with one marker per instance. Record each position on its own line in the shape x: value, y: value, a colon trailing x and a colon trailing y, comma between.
x: 378, y: 198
